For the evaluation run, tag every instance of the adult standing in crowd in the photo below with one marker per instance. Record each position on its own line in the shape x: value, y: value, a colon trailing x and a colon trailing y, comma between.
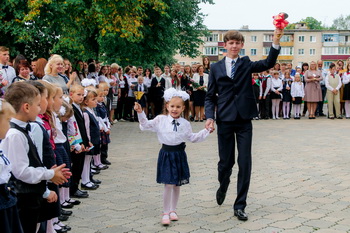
x: 313, y: 93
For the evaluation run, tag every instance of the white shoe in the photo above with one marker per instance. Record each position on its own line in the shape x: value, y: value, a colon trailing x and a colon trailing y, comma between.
x: 115, y: 121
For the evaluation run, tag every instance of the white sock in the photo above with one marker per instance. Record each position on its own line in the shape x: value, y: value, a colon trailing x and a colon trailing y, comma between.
x: 66, y: 194
x: 61, y: 195
x: 49, y: 226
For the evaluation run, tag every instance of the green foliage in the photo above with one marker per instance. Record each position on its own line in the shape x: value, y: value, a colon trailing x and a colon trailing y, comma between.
x: 311, y: 23
x: 341, y: 23
x: 140, y: 32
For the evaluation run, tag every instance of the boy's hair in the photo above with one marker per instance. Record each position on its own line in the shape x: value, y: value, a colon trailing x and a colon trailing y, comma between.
x: 75, y: 87
x: 332, y: 65
x: 133, y: 70
x: 6, y: 108
x: 4, y: 49
x: 91, y: 68
x: 275, y: 72
x: 19, y: 93
x: 127, y: 69
x: 41, y: 87
x: 283, y: 64
x: 54, y: 59
x: 233, y: 35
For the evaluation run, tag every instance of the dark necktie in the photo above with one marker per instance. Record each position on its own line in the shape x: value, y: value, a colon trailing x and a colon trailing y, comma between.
x: 176, y: 124
x: 233, y: 64
x: 28, y: 128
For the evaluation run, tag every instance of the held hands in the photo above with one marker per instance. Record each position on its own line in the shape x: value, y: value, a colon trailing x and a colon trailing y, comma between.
x: 137, y: 107
x: 209, y: 125
x: 60, y: 174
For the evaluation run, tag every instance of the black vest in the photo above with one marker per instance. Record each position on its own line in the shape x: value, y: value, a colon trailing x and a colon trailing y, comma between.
x: 34, y: 161
x: 48, y: 154
x: 94, y: 129
x: 81, y: 125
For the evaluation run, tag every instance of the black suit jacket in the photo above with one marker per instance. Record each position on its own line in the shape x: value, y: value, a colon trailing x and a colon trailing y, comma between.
x: 81, y: 124
x: 235, y: 97
x: 158, y: 91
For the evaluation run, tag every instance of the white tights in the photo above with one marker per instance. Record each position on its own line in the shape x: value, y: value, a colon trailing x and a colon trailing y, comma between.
x: 297, y: 108
x: 275, y: 108
x: 286, y: 108
x: 170, y: 197
x: 347, y: 108
x: 85, y: 175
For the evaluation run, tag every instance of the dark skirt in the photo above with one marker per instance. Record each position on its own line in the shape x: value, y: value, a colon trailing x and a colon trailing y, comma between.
x: 346, y: 93
x: 9, y: 220
x: 172, y: 167
x: 287, y: 97
x: 199, y: 98
x: 94, y: 151
x: 273, y: 95
x: 298, y: 100
x: 62, y: 157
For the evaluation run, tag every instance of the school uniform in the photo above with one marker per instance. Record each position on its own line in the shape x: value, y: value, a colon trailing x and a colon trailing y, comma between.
x: 9, y: 218
x: 143, y: 88
x: 8, y: 73
x: 78, y: 158
x: 158, y: 92
x: 297, y: 92
x: 286, y: 93
x: 346, y: 82
x: 265, y: 108
x: 333, y: 82
x: 276, y: 85
x: 93, y: 130
x: 172, y: 166
x: 29, y: 173
x: 102, y: 114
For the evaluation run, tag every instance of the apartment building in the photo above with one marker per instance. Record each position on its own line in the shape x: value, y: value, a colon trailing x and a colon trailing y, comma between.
x: 297, y: 46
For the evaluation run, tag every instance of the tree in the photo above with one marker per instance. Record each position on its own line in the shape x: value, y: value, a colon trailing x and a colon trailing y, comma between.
x: 128, y: 31
x: 311, y: 23
x: 341, y: 23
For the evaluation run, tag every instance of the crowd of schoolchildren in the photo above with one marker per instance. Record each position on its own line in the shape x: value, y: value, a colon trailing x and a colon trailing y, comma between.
x: 282, y: 88
x: 55, y: 121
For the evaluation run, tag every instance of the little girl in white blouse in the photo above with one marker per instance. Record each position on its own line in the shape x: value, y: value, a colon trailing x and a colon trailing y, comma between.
x: 172, y: 131
x: 297, y: 92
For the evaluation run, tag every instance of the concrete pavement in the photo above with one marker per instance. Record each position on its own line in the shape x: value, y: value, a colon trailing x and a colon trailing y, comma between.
x: 300, y: 183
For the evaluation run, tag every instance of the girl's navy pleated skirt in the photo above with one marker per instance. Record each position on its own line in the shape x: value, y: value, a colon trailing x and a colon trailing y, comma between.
x: 172, y: 167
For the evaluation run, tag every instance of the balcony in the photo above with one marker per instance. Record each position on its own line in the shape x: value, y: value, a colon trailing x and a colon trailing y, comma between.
x: 330, y: 43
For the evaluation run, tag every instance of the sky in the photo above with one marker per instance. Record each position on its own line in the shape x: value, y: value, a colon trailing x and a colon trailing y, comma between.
x: 257, y: 14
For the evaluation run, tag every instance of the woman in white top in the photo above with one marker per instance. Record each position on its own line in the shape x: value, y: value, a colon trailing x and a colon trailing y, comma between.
x: 200, y: 84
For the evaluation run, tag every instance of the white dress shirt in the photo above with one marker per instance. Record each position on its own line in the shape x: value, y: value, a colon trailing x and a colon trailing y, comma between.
x: 196, y: 78
x: 297, y: 89
x: 18, y: 156
x: 8, y: 73
x: 328, y: 85
x: 268, y: 86
x: 60, y: 137
x: 346, y: 78
x: 5, y: 169
x: 164, y: 128
x: 276, y: 83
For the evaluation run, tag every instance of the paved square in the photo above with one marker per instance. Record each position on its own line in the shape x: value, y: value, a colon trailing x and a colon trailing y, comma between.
x: 300, y: 183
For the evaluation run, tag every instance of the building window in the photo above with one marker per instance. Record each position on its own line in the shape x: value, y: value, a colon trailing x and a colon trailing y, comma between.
x: 211, y: 51
x: 268, y: 38
x: 343, y: 39
x: 344, y: 50
x: 266, y: 51
x: 312, y: 51
x: 326, y: 64
x: 222, y: 51
x: 253, y: 52
x: 242, y: 52
x: 300, y: 51
x: 193, y: 62
x: 182, y: 63
x: 286, y: 51
x: 253, y: 39
x: 285, y: 38
x: 212, y: 38
x: 330, y: 37
x: 330, y: 50
x: 301, y: 38
x: 312, y: 38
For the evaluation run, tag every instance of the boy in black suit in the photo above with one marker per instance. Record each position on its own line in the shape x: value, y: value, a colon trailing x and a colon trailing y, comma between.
x: 230, y: 92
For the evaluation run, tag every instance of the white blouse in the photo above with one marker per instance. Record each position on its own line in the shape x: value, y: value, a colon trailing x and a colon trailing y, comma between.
x: 297, y: 89
x: 276, y: 83
x: 5, y: 169
x: 164, y: 128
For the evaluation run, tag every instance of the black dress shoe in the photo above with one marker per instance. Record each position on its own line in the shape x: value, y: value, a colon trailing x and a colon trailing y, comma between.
x: 90, y: 186
x: 67, y: 228
x: 80, y: 194
x: 82, y: 191
x: 63, y: 218
x: 241, y: 215
x: 106, y: 162
x: 95, y: 181
x: 67, y: 205
x: 220, y: 197
x: 66, y: 212
x: 74, y: 202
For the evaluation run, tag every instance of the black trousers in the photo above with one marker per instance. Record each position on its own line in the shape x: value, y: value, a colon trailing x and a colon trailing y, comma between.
x: 77, y: 169
x: 29, y: 207
x: 158, y: 105
x: 229, y: 133
x: 104, y: 152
